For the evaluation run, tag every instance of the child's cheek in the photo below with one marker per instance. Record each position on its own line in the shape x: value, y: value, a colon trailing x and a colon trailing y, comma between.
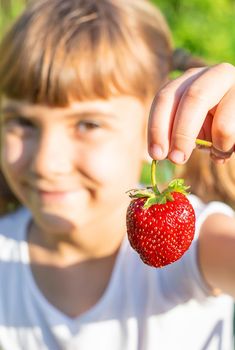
x: 99, y: 162
x: 109, y: 165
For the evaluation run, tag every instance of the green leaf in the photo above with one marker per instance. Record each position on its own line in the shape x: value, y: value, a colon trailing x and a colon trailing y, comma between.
x: 150, y: 201
x: 177, y: 185
x: 169, y: 197
x: 141, y: 193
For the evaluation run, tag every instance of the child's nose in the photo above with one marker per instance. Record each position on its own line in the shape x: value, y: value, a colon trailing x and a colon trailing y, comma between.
x: 53, y: 155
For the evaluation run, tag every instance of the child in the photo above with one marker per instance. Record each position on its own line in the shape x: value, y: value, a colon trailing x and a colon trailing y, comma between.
x: 77, y: 79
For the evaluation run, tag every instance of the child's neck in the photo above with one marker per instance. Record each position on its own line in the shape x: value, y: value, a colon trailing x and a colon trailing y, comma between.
x: 91, y: 242
x: 64, y: 269
x: 73, y: 288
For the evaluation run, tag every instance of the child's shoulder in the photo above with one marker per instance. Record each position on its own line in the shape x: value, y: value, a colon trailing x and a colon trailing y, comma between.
x: 203, y: 210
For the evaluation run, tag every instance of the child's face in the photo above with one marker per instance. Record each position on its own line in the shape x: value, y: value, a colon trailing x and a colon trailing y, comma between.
x: 75, y: 163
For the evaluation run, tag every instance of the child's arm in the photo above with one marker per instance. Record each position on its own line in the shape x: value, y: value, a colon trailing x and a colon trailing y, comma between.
x: 200, y: 103
x: 217, y: 252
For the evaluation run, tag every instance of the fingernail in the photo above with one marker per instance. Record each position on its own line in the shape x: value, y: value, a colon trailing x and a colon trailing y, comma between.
x: 177, y: 156
x: 157, y: 151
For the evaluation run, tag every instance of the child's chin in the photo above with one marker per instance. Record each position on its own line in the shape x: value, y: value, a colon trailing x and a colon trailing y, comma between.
x: 59, y: 221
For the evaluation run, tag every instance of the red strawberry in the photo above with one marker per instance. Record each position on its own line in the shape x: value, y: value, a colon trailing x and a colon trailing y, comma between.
x: 160, y: 226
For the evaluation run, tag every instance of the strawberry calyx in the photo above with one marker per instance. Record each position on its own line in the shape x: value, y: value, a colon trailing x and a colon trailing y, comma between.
x: 176, y: 185
x: 152, y: 193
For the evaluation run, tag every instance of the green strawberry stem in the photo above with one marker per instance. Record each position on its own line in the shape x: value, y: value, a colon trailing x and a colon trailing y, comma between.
x: 203, y: 143
x: 199, y: 142
x: 152, y: 194
x: 153, y: 176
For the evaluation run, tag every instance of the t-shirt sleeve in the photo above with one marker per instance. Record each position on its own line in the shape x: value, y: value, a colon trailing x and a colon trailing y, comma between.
x: 184, y: 276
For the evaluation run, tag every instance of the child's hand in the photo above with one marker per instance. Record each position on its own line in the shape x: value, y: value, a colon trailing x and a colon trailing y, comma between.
x: 200, y: 103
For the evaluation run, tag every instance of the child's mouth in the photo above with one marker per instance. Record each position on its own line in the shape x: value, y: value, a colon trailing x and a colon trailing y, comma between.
x: 56, y: 196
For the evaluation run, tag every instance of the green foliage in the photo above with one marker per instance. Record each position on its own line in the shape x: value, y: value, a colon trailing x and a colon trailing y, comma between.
x: 8, y: 13
x: 204, y: 27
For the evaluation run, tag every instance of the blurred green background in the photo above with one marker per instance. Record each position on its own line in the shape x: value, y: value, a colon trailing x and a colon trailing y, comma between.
x: 204, y: 27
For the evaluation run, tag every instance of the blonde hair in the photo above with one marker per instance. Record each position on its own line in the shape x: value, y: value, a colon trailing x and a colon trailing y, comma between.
x: 58, y: 51
x: 85, y: 49
x: 208, y: 180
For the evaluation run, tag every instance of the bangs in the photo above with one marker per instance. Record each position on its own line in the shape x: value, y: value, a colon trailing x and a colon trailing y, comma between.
x: 87, y: 56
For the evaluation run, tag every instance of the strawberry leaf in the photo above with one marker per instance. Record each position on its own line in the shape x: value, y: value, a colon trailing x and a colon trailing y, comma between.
x: 141, y: 193
x: 177, y: 185
x: 150, y: 201
x: 169, y: 197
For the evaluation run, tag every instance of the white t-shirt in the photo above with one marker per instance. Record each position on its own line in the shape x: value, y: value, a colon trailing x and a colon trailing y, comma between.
x: 143, y: 308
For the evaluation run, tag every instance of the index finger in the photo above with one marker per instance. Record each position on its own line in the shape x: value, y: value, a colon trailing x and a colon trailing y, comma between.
x: 163, y: 112
x: 206, y: 92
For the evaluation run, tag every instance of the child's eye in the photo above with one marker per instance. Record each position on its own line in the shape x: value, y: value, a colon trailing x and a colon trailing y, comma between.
x: 87, y: 125
x: 23, y: 122
x: 19, y: 124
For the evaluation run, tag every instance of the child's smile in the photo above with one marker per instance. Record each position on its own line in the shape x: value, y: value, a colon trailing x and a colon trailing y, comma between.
x: 56, y: 196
